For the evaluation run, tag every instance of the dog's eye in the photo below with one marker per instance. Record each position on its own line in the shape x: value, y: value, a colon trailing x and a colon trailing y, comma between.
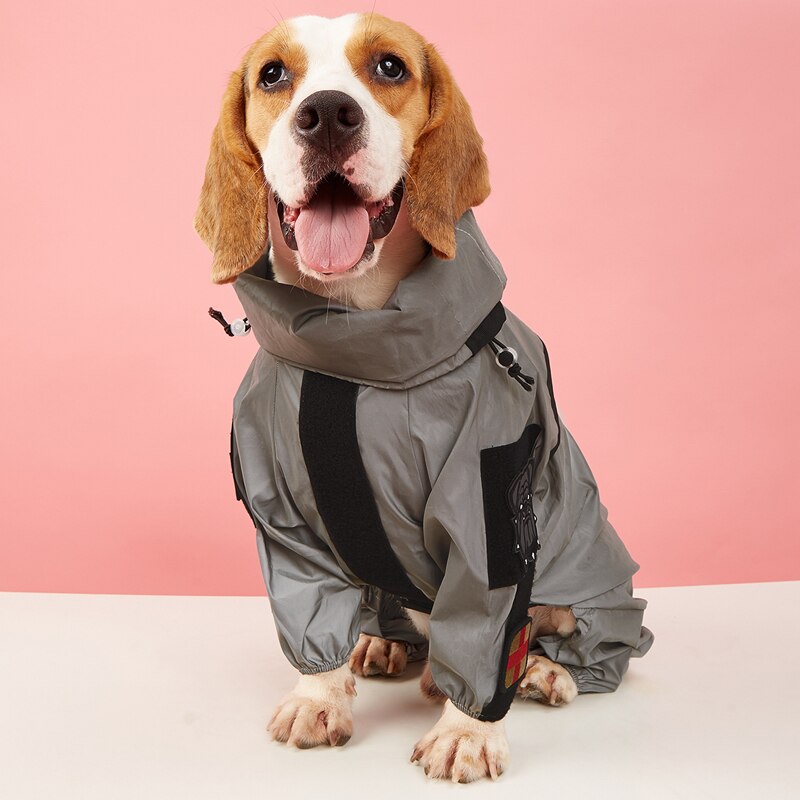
x: 272, y: 74
x: 391, y: 67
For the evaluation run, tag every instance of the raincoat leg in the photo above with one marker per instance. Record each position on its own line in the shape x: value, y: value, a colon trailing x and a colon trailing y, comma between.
x: 608, y: 634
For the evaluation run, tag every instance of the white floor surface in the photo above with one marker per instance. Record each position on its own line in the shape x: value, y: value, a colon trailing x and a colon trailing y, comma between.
x: 118, y: 697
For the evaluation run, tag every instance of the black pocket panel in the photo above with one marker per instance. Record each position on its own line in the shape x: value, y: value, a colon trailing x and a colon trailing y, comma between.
x: 501, y: 469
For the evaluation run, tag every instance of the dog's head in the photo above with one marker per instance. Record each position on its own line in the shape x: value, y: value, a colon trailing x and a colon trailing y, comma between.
x: 336, y: 122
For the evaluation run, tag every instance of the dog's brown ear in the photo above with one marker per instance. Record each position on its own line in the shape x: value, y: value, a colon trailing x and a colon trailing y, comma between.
x: 448, y: 172
x: 231, y: 216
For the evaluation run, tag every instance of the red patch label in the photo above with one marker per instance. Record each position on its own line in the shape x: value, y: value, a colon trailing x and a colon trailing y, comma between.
x: 518, y: 655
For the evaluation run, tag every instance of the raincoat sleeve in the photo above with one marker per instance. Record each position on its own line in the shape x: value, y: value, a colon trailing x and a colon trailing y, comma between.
x: 315, y: 606
x: 472, y: 626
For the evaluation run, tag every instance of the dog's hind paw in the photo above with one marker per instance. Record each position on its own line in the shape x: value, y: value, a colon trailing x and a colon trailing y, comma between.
x: 375, y: 656
x: 430, y: 691
x: 547, y: 682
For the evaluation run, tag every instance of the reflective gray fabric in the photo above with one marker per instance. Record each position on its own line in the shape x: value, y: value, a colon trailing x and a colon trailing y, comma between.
x: 426, y: 409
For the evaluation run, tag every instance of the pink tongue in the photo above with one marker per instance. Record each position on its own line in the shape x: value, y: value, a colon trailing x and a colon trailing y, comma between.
x: 332, y: 230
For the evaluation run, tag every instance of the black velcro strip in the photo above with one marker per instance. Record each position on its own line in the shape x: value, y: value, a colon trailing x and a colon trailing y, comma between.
x: 488, y: 329
x: 329, y: 440
x: 498, y: 706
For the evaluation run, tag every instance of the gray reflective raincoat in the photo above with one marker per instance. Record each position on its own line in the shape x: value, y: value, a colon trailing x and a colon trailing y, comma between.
x: 413, y: 456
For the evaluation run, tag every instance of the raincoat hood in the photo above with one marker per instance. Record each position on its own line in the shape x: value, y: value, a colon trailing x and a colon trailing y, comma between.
x: 419, y: 333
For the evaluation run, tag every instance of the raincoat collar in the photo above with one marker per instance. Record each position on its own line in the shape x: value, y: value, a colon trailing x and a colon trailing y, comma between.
x: 419, y: 333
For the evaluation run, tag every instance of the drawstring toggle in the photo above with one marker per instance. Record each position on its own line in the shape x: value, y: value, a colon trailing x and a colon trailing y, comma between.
x: 506, y: 357
x: 237, y: 327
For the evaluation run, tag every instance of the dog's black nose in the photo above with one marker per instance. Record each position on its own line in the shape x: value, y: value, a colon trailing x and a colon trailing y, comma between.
x: 328, y: 120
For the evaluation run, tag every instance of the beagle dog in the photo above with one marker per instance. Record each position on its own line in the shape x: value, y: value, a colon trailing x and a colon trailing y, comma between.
x: 346, y: 152
x: 359, y: 111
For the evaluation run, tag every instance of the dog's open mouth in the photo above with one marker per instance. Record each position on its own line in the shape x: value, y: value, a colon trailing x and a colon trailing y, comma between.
x: 336, y: 229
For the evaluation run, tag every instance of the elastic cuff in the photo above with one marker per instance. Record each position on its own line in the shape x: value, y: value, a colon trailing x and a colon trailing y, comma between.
x: 475, y: 714
x: 326, y: 666
x: 465, y: 710
x: 574, y: 674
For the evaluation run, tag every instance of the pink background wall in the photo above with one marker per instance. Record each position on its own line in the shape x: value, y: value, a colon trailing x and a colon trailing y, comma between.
x: 646, y: 205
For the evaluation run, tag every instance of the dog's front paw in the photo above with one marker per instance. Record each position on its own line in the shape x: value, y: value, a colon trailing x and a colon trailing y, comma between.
x: 316, y: 712
x: 462, y: 749
x: 547, y: 682
x: 375, y: 656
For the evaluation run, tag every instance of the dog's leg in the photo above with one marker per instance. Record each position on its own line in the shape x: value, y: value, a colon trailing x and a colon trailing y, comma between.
x: 375, y: 656
x: 548, y: 620
x: 547, y: 682
x: 461, y: 748
x: 317, y: 711
x: 544, y: 680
